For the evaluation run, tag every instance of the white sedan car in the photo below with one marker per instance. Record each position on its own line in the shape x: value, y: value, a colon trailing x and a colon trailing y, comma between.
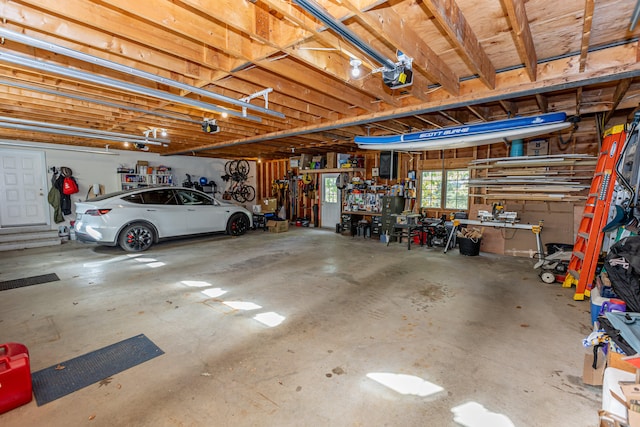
x: 136, y: 219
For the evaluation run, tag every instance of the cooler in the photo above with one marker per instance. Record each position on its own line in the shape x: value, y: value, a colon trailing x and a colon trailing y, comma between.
x: 15, y: 376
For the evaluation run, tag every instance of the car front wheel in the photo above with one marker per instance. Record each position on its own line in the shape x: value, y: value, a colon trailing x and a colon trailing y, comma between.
x: 238, y: 224
x: 136, y: 238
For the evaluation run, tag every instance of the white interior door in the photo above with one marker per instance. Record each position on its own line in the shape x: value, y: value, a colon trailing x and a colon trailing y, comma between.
x: 330, y: 206
x: 23, y: 189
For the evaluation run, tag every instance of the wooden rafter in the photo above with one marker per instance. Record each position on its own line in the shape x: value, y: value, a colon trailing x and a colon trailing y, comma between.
x: 524, y: 41
x: 329, y: 40
x: 621, y: 90
x: 387, y: 23
x: 543, y: 103
x: 509, y: 107
x: 578, y: 100
x: 453, y: 22
x: 476, y: 112
x: 429, y: 122
x: 586, y: 32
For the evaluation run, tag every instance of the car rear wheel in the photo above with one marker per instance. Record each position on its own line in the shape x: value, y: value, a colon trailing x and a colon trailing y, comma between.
x: 238, y: 224
x: 136, y: 238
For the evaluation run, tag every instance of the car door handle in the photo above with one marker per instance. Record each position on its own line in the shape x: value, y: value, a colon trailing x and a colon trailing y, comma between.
x: 151, y: 210
x: 191, y: 210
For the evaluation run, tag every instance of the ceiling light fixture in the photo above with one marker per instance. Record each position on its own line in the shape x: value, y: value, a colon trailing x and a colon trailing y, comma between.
x: 153, y: 133
x: 355, y: 67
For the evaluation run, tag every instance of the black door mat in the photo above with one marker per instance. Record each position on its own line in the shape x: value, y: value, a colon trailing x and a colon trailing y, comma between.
x: 28, y: 281
x: 66, y: 377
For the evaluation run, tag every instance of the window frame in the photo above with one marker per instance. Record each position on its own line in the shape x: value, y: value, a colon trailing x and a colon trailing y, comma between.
x: 444, y: 177
x: 422, y: 188
x: 457, y: 180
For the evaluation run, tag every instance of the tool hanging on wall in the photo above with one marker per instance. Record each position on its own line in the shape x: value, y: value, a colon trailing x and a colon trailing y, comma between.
x: 307, y: 178
x: 280, y: 189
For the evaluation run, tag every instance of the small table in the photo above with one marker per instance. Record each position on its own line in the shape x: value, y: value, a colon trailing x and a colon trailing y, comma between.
x: 409, y: 229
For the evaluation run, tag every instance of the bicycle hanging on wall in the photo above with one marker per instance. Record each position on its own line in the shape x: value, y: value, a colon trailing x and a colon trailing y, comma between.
x: 236, y: 175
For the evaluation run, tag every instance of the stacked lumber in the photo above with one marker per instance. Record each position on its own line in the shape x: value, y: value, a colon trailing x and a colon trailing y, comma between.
x: 562, y: 178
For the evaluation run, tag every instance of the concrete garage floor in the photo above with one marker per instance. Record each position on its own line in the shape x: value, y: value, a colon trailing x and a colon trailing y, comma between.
x: 484, y: 329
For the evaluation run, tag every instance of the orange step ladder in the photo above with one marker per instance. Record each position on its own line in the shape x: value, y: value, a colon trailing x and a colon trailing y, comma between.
x: 586, y: 250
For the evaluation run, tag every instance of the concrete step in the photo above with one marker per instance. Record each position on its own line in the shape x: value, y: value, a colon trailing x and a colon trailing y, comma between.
x: 25, y: 229
x: 25, y: 244
x: 25, y: 236
x: 13, y: 238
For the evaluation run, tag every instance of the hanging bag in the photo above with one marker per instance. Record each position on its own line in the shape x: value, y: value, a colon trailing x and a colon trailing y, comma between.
x: 69, y: 186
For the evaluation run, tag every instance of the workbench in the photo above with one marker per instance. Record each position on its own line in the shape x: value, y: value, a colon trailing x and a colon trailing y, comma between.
x: 534, y: 228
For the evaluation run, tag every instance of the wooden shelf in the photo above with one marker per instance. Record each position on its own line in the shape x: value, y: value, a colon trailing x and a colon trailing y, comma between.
x: 134, y: 180
x: 332, y: 170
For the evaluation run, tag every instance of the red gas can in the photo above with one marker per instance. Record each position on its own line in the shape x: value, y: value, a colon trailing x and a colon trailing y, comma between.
x: 15, y: 376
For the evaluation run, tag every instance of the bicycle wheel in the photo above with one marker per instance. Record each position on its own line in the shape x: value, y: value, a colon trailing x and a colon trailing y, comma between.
x: 248, y: 192
x: 238, y: 194
x: 243, y: 167
x: 230, y: 167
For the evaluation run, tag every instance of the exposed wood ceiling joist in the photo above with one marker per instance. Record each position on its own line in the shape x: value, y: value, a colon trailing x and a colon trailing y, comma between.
x: 472, y: 61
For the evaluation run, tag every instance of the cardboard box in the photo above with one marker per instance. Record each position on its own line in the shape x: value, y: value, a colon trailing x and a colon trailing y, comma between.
x: 632, y: 396
x: 269, y: 205
x: 294, y: 162
x: 332, y: 160
x: 305, y: 160
x: 593, y: 376
x: 538, y: 147
x: 277, y: 226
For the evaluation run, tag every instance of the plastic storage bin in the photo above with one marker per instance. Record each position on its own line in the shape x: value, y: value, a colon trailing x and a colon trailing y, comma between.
x: 15, y: 376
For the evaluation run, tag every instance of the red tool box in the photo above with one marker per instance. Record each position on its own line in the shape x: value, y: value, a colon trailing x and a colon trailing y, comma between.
x: 15, y: 376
